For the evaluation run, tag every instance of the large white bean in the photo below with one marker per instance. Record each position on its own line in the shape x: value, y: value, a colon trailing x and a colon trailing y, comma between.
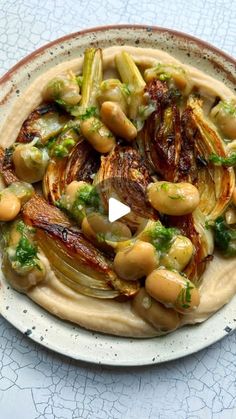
x: 136, y: 261
x: 72, y: 190
x: 30, y: 162
x: 98, y: 229
x: 173, y: 290
x: 173, y: 198
x: 224, y: 115
x: 98, y: 135
x: 179, y: 254
x: 113, y: 116
x: 63, y: 87
x: 162, y: 318
x: 23, y: 283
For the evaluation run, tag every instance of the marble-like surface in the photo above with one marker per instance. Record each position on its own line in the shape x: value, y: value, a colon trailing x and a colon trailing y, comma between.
x: 34, y: 382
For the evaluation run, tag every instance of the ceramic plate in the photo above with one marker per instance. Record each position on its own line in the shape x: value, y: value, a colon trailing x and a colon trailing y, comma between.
x: 67, y: 338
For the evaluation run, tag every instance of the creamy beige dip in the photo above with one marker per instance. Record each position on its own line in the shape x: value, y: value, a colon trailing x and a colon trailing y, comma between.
x: 219, y: 281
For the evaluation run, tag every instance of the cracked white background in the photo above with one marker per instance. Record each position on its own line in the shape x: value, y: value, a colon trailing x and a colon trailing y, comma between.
x: 35, y: 383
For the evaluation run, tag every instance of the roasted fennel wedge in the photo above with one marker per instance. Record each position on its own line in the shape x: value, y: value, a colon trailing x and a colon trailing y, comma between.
x: 160, y: 139
x: 45, y: 122
x: 123, y: 176
x: 7, y: 167
x: 81, y: 164
x: 215, y: 183
x: 176, y: 142
x: 74, y: 259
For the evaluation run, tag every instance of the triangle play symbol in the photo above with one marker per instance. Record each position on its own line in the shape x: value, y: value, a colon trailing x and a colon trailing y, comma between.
x: 116, y: 209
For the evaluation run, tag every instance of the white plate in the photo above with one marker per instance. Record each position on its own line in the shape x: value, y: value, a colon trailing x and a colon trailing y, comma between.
x: 67, y: 338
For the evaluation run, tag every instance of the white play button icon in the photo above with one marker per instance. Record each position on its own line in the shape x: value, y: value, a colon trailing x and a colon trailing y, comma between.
x: 116, y: 209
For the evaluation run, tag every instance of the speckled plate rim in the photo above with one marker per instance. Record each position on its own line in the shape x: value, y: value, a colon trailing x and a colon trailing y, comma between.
x: 149, y: 28
x: 95, y: 347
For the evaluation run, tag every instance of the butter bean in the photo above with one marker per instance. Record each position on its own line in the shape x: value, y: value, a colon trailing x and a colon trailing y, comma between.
x: 179, y: 254
x: 162, y: 318
x: 173, y: 198
x: 73, y: 188
x: 97, y: 228
x: 224, y: 115
x: 173, y: 290
x: 136, y: 261
x: 98, y: 135
x: 30, y: 162
x: 113, y: 116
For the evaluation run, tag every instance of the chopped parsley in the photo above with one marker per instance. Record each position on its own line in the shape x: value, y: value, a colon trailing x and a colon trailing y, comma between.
x: 50, y: 144
x: 126, y: 89
x: 88, y: 195
x: 164, y: 186
x: 23, y: 228
x: 223, y: 161
x: 26, y: 253
x: 162, y: 237
x: 86, y: 200
x: 61, y: 146
x: 228, y: 106
x: 164, y: 76
x: 89, y: 112
x: 164, y: 72
x: 63, y: 149
x: 177, y: 196
x: 101, y: 237
x: 225, y: 236
x: 61, y: 102
x: 95, y: 126
x: 23, y: 255
x: 79, y: 80
x: 56, y: 85
x: 184, y: 298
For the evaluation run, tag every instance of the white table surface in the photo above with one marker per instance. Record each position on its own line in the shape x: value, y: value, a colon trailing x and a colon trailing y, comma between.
x: 36, y: 383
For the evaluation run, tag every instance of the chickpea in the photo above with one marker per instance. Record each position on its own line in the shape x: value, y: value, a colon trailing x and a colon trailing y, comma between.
x: 172, y: 290
x: 97, y: 228
x: 173, y: 198
x: 10, y: 206
x: 30, y: 162
x: 179, y: 254
x: 162, y: 318
x: 224, y: 115
x: 136, y: 261
x: 98, y: 135
x: 113, y: 116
